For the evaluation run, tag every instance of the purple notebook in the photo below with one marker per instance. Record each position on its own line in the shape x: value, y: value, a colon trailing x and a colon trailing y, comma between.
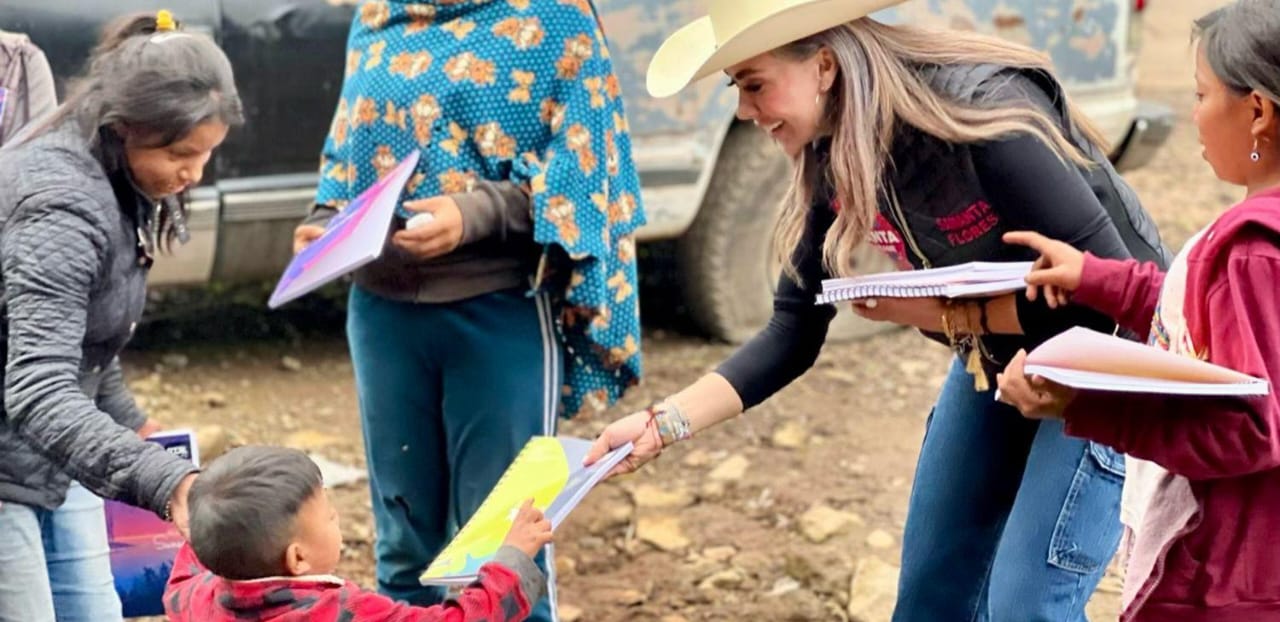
x: 142, y: 545
x: 355, y: 237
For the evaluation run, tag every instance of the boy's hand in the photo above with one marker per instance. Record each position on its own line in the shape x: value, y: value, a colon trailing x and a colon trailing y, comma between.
x: 1058, y: 270
x: 531, y: 530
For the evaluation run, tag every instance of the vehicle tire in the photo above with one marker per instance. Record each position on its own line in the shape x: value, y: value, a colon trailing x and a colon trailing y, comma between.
x: 726, y: 271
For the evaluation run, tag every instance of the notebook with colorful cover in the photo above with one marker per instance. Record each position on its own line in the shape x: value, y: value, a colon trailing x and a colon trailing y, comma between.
x: 979, y: 278
x: 548, y: 470
x: 142, y: 545
x: 353, y: 238
x: 1086, y: 359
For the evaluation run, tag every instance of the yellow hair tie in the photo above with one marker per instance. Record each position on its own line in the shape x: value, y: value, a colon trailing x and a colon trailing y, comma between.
x: 164, y: 21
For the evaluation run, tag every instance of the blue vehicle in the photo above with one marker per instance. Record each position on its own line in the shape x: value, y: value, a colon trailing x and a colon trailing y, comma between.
x: 711, y: 185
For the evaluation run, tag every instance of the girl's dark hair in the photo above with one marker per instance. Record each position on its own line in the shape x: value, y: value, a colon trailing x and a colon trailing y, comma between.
x: 155, y: 85
x: 1242, y: 44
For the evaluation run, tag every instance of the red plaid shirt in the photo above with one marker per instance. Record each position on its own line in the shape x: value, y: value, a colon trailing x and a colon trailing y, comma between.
x: 195, y: 594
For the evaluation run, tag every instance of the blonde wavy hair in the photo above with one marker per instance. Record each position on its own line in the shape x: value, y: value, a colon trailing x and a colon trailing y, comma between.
x: 877, y: 87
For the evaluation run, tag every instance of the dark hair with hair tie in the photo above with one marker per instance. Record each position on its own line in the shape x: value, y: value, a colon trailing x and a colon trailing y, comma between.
x: 148, y: 78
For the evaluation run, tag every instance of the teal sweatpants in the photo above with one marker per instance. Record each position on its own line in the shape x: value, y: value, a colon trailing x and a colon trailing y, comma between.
x: 449, y: 394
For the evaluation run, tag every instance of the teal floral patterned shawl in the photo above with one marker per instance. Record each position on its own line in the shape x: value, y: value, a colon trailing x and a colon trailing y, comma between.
x: 519, y: 90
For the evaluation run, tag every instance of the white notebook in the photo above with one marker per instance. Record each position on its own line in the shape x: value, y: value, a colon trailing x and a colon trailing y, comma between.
x: 979, y: 278
x: 1086, y: 359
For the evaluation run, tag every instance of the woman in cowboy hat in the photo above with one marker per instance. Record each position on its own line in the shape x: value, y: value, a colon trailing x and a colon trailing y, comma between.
x: 930, y: 145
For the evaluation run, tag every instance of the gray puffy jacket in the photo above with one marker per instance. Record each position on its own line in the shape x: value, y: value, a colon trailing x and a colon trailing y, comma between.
x: 73, y: 289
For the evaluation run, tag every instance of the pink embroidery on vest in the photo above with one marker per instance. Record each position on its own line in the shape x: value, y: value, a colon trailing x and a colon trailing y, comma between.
x: 974, y: 222
x: 886, y: 238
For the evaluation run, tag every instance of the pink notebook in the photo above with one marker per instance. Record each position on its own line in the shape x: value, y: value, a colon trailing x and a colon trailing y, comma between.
x: 355, y: 237
x: 1086, y: 359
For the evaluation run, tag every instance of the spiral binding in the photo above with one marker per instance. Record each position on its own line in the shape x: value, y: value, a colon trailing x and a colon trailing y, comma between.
x: 858, y: 292
x: 523, y: 456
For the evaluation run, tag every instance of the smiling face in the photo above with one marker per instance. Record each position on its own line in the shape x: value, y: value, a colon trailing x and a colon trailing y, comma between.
x: 784, y: 97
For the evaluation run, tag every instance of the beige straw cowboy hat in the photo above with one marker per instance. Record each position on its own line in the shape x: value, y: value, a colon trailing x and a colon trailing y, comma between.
x: 736, y: 30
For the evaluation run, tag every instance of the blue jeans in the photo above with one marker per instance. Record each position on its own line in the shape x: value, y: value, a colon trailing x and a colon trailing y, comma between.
x: 56, y: 565
x: 1010, y: 520
x: 449, y: 394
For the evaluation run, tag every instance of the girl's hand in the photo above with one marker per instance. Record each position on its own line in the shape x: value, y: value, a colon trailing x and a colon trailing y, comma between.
x: 304, y: 235
x: 635, y: 428
x: 438, y: 237
x: 1058, y: 270
x: 1034, y: 397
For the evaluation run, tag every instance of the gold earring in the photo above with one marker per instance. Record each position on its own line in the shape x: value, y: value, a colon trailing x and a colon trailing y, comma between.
x: 1255, y: 156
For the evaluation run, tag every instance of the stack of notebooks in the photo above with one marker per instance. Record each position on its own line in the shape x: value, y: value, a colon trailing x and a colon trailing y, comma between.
x: 976, y: 279
x: 1078, y: 358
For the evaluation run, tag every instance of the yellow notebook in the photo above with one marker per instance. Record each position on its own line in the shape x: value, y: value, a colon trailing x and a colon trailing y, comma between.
x: 548, y: 470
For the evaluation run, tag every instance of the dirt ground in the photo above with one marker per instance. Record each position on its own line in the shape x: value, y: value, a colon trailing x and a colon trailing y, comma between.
x: 732, y: 534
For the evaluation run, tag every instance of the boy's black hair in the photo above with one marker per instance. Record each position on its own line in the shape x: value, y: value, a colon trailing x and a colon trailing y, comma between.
x: 244, y: 506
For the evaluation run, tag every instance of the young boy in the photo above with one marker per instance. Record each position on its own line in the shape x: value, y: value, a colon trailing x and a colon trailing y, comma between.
x: 267, y: 539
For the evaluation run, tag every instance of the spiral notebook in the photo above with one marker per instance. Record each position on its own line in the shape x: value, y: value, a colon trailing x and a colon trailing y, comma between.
x: 979, y: 278
x: 1086, y: 359
x: 548, y: 470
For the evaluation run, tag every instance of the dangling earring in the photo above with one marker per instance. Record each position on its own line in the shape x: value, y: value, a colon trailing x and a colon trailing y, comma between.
x: 1255, y: 156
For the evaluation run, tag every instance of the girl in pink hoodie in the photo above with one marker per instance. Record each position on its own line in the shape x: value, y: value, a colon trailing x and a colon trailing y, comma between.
x: 1202, y: 496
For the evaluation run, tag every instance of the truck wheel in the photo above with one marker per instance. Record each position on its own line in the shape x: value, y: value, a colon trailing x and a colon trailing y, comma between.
x: 726, y: 271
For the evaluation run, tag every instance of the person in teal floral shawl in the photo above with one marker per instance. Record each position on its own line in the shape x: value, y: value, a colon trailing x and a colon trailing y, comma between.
x: 507, y: 295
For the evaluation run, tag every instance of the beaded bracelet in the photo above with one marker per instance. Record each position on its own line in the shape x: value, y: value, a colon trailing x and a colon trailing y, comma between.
x: 671, y: 423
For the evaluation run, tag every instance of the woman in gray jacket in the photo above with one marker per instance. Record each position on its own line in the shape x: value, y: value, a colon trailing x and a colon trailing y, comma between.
x: 85, y: 204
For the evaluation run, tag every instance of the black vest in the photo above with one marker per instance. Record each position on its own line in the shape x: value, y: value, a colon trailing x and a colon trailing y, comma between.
x: 942, y: 200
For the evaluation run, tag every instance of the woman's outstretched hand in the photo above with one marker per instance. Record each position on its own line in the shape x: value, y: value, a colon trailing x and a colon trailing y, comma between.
x: 636, y: 428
